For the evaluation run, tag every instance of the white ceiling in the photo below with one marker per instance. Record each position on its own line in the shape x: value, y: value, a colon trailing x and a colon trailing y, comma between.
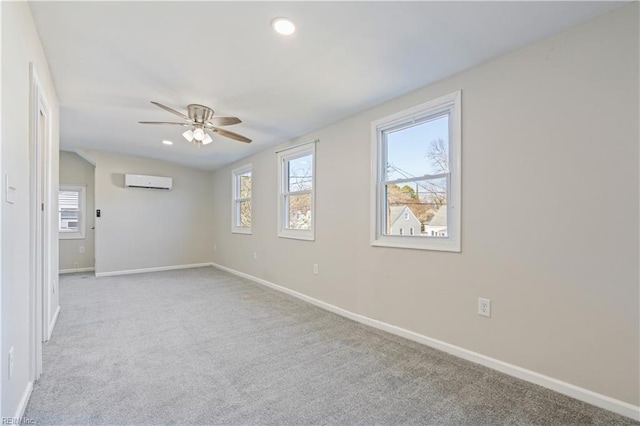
x: 109, y: 59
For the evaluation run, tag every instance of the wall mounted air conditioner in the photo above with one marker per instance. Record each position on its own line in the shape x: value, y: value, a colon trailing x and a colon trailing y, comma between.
x: 143, y: 181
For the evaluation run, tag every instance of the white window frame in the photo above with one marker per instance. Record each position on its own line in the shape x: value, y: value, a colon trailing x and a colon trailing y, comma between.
x: 283, y: 191
x: 236, y: 201
x: 450, y: 104
x: 82, y: 213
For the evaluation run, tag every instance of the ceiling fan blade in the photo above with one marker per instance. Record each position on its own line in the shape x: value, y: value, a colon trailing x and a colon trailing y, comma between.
x: 171, y: 110
x: 229, y: 134
x: 223, y: 121
x: 164, y: 122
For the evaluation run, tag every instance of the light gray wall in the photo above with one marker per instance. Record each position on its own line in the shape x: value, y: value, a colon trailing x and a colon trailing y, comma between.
x: 549, y: 152
x: 74, y: 170
x: 148, y: 228
x: 20, y: 46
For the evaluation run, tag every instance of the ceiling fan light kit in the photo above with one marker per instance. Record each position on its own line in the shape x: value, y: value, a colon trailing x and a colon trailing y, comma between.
x: 201, y: 120
x: 188, y: 135
x: 198, y: 134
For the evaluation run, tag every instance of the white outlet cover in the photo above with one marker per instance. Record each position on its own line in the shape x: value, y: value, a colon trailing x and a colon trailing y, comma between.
x: 484, y: 307
x: 315, y: 269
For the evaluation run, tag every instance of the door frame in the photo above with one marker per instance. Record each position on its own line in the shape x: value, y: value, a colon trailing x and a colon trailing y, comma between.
x: 40, y: 219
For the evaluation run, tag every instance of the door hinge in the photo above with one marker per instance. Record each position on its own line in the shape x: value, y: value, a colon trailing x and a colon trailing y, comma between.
x: 42, y: 206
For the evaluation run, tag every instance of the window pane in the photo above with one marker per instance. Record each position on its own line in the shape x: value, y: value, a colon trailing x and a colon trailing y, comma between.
x: 68, y: 199
x: 300, y: 174
x: 419, y: 150
x: 68, y: 221
x: 245, y: 185
x: 298, y: 208
x: 244, y: 214
x: 417, y: 208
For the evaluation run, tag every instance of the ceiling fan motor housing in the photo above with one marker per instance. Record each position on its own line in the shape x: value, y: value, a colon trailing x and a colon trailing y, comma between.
x: 199, y: 113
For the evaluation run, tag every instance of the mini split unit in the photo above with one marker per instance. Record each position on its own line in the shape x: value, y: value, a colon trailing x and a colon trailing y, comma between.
x: 143, y: 181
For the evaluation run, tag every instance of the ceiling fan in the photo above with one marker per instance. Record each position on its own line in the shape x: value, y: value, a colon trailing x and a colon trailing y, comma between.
x: 200, y: 119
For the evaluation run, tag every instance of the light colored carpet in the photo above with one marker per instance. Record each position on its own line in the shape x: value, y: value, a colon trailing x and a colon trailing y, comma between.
x: 202, y: 346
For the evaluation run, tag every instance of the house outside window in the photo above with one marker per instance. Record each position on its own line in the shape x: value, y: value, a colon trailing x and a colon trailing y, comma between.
x: 296, y: 198
x: 416, y: 176
x: 71, y: 212
x: 241, y: 204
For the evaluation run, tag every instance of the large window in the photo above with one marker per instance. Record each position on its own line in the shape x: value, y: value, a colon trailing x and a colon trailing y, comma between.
x: 71, y: 211
x: 296, y: 172
x: 416, y: 177
x: 241, y: 205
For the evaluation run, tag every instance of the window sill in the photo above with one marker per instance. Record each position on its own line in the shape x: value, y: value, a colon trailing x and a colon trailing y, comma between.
x: 244, y: 231
x: 70, y: 236
x: 299, y: 235
x: 443, y: 245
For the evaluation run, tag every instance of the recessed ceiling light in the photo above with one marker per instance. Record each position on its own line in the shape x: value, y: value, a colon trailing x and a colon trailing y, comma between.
x: 283, y: 26
x: 166, y: 142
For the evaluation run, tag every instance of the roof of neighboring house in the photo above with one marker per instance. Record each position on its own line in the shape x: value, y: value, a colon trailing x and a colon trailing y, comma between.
x: 395, y: 212
x: 440, y: 218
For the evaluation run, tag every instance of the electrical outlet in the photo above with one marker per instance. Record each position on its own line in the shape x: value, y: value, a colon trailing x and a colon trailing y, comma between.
x: 255, y: 255
x: 215, y: 247
x: 76, y: 265
x: 484, y: 307
x: 315, y: 269
x: 81, y: 249
x: 11, y: 363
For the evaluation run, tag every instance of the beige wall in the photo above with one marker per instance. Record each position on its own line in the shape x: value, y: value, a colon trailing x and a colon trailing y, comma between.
x: 20, y: 46
x: 149, y: 228
x: 74, y: 170
x: 549, y: 215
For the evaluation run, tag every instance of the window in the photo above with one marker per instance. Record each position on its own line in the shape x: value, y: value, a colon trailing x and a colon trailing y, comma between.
x: 296, y: 173
x: 241, y: 205
x: 416, y: 174
x: 71, y: 211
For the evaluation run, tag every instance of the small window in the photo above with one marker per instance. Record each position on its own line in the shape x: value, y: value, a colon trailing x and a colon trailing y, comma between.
x: 296, y: 213
x: 241, y: 205
x: 416, y: 176
x: 71, y: 211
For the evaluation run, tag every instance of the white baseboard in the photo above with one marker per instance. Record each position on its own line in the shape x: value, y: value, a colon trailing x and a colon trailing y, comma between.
x: 52, y: 324
x: 73, y: 271
x: 155, y: 269
x: 559, y: 386
x: 22, y: 405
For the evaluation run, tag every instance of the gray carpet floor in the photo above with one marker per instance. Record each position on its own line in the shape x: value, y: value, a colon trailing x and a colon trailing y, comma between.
x: 202, y: 346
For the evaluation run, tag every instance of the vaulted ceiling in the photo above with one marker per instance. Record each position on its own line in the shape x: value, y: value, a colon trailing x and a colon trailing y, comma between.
x: 109, y: 59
